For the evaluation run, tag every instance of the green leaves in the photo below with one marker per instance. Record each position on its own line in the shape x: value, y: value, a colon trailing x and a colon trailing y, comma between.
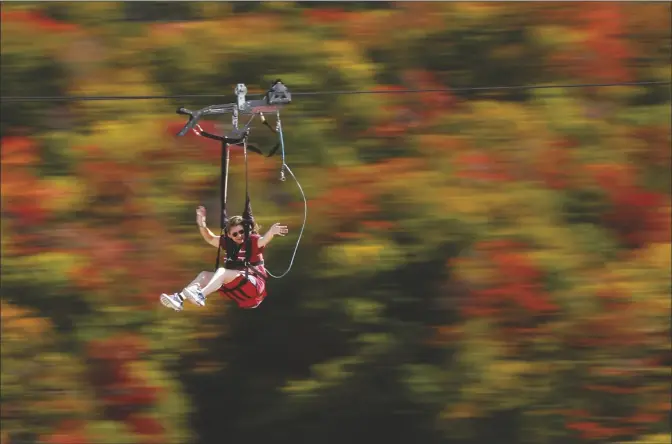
x: 527, y: 228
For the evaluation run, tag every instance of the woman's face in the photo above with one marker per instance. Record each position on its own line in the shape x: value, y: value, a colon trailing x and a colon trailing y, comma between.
x: 237, y: 233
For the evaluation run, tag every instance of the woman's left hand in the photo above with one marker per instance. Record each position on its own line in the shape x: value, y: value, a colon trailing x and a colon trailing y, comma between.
x: 278, y: 229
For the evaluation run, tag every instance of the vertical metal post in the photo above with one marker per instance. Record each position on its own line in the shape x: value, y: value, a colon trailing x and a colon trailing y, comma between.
x: 241, y: 91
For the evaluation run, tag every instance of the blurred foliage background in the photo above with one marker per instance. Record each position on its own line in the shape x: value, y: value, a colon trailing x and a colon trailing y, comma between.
x: 478, y: 266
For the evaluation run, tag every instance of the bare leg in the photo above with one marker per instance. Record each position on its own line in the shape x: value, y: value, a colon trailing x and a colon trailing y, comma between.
x: 204, y: 284
x: 202, y: 279
x: 219, y: 278
x: 176, y: 300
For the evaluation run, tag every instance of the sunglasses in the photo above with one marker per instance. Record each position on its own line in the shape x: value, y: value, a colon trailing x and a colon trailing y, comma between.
x: 238, y: 233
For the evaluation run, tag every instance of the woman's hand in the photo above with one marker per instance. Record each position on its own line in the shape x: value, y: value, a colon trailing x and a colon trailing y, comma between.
x: 277, y: 229
x: 200, y: 216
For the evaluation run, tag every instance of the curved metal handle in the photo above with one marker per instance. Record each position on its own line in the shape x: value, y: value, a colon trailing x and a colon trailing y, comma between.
x: 194, y: 116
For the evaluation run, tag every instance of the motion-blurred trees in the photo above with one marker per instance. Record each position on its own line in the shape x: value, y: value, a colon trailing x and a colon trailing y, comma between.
x: 477, y: 267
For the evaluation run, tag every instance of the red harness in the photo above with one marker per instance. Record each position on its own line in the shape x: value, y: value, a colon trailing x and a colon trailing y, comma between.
x: 248, y: 290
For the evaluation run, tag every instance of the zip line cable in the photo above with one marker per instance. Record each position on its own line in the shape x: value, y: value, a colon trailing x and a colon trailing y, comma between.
x: 329, y: 93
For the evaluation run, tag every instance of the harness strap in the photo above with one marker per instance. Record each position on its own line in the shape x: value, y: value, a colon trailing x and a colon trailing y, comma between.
x: 248, y: 220
x: 224, y: 183
x: 237, y: 263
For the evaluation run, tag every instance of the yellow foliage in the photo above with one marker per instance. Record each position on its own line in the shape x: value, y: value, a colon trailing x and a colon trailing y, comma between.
x: 476, y: 271
x: 356, y: 255
x: 463, y: 410
x: 19, y: 322
x: 471, y: 166
x: 661, y: 438
x: 68, y: 193
x: 658, y: 255
x: 506, y: 374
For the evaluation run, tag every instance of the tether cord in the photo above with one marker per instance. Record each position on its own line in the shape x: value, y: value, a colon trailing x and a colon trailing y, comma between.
x: 305, y: 201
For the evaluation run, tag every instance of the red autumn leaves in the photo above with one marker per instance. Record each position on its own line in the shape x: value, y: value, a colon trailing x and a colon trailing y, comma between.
x: 126, y: 396
x: 518, y: 284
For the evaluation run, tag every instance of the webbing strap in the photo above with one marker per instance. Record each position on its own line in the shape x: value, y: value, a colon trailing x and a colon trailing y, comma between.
x: 247, y: 214
x: 224, y: 185
x: 237, y: 263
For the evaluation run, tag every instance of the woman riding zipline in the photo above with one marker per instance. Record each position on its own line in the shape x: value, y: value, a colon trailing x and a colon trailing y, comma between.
x: 241, y: 279
x: 243, y: 276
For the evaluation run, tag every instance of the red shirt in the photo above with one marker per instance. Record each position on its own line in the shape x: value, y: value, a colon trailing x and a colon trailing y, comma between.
x: 256, y: 256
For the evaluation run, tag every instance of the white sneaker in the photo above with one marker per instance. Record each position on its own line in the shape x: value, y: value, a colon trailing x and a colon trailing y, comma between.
x: 195, y: 295
x: 172, y: 301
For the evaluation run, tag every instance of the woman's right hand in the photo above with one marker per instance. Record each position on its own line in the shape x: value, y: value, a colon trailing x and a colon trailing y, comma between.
x: 200, y: 216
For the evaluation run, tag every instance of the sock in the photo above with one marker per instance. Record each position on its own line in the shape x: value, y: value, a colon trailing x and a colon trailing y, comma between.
x: 181, y: 296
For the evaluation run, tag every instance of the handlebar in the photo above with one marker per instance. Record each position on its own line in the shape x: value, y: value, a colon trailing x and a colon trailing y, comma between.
x: 194, y: 117
x: 277, y: 96
x: 236, y: 136
x: 184, y: 111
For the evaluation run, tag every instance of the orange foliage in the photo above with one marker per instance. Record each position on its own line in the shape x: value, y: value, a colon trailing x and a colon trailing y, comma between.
x: 515, y: 267
x: 111, y: 178
x: 26, y: 198
x: 19, y: 319
x: 609, y: 330
x: 594, y: 431
x: 129, y: 395
x: 68, y: 432
x: 491, y: 247
x: 444, y: 334
x: 432, y: 103
x: 33, y: 19
x: 518, y: 284
x: 350, y: 202
x: 387, y: 88
x: 434, y: 144
x: 636, y: 215
x: 480, y: 166
x: 645, y: 418
x: 353, y: 192
x: 657, y: 140
x: 612, y: 177
x: 378, y: 225
x: 326, y: 15
x: 388, y: 130
x: 555, y: 167
x: 603, y: 55
x: 149, y: 428
x: 18, y: 151
x: 87, y: 277
x: 122, y: 392
x: 124, y: 347
x: 164, y: 30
